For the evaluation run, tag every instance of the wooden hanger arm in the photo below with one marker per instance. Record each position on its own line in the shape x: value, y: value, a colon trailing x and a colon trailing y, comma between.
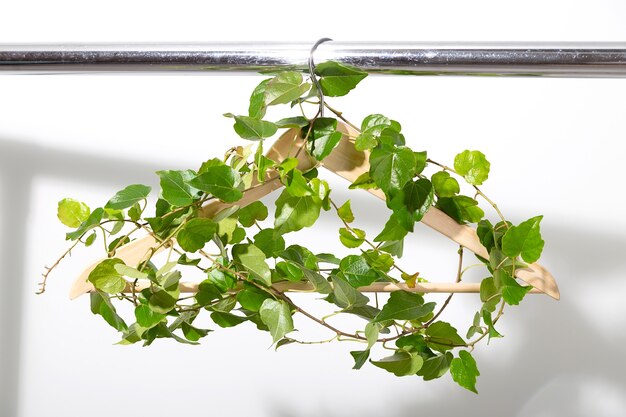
x: 349, y: 164
x: 131, y: 253
x: 376, y: 287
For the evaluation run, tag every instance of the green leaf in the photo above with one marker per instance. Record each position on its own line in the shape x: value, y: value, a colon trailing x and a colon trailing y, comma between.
x: 225, y: 305
x: 524, y: 240
x: 436, y: 367
x: 293, y: 122
x: 356, y: 271
x: 223, y: 280
x: 391, y: 168
x: 475, y: 327
x: 351, y: 238
x: 365, y: 141
x: 337, y: 79
x: 253, y: 212
x: 445, y: 185
x: 401, y: 363
x: 375, y: 121
x: 106, y: 278
x: 146, y: 317
x: 254, y: 129
x: 320, y: 284
x: 252, y: 259
x: 461, y: 208
x: 371, y: 333
x: 262, y: 163
x: 294, y: 213
x: 345, y: 295
x: 485, y: 233
x: 185, y: 260
x: 328, y: 258
x: 225, y: 320
x: 403, y: 305
x: 208, y: 291
x: 493, y: 333
x: 414, y: 343
x: 193, y: 334
x: 360, y: 357
x: 90, y: 239
x: 165, y: 331
x: 270, y: 242
x: 129, y: 271
x: 284, y: 342
x: 296, y: 184
x: 378, y: 260
x: 72, y: 213
x: 284, y: 88
x: 196, y: 233
x: 421, y: 159
x: 276, y: 315
x: 412, y: 202
x: 226, y: 227
x: 363, y: 181
x: 323, y: 137
x: 287, y: 165
x: 322, y: 190
x: 367, y: 312
x: 162, y: 298
x: 390, y: 137
x: 134, y: 212
x: 257, y: 106
x: 290, y: 271
x: 371, y: 128
x: 393, y: 247
x: 122, y: 240
x: 101, y: 304
x: 443, y: 337
x: 345, y: 212
x: 464, y: 371
x: 251, y: 298
x: 132, y: 335
x: 176, y: 189
x: 300, y: 255
x: 512, y: 291
x: 489, y: 294
x: 473, y: 166
x: 213, y: 162
x: 392, y: 231
x: 92, y: 221
x: 221, y: 181
x: 128, y: 196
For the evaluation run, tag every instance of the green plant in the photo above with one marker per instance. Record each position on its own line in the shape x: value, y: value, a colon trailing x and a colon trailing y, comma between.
x: 241, y: 257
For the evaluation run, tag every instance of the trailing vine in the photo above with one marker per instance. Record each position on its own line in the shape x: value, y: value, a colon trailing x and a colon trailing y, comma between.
x: 247, y: 266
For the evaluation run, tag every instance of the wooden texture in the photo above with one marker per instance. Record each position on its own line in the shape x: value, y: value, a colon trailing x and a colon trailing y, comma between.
x: 376, y: 287
x: 348, y: 163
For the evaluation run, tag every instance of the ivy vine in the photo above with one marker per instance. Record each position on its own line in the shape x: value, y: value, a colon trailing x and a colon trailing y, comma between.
x: 242, y: 255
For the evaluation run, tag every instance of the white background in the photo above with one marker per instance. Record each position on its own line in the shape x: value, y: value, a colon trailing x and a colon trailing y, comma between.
x: 556, y: 147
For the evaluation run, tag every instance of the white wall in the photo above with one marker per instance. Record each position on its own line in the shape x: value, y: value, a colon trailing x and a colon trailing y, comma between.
x: 556, y: 147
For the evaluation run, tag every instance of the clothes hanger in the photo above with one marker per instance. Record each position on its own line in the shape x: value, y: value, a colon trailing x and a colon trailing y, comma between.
x: 349, y: 164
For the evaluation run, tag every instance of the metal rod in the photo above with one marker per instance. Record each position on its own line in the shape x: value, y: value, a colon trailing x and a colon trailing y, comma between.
x: 602, y: 60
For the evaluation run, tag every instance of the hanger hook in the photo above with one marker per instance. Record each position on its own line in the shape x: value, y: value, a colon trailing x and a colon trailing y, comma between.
x: 320, y: 94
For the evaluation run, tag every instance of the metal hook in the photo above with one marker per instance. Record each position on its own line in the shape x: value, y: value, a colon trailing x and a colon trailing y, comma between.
x: 320, y: 94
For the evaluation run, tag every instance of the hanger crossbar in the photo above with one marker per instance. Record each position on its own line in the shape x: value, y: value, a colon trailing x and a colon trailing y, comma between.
x: 377, y: 287
x: 563, y: 59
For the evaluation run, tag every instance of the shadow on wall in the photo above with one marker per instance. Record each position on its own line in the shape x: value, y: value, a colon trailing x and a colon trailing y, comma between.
x: 565, y: 367
x: 557, y: 372
x: 20, y: 164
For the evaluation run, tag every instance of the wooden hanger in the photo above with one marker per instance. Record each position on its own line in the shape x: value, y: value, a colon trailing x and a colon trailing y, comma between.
x: 349, y: 164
